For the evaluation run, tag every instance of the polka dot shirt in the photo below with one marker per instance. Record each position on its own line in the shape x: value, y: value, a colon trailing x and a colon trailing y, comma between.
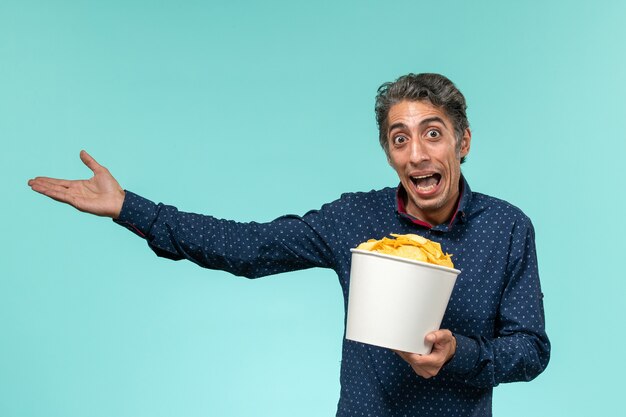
x: 495, y: 311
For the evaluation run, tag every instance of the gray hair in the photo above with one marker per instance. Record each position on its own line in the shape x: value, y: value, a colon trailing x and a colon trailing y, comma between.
x: 435, y: 88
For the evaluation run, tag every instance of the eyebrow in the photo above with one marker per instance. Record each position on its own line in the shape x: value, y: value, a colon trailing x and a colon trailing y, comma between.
x: 433, y: 119
x: 426, y: 121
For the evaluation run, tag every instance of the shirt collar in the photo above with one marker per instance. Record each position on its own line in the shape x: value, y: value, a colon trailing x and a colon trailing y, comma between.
x: 460, y: 214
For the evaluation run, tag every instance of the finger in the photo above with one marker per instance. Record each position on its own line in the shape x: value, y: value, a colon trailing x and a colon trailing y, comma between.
x: 411, y: 358
x: 403, y: 355
x: 45, y: 187
x: 48, y: 180
x: 427, y: 366
x: 407, y: 356
x: 90, y: 161
x: 58, y: 193
x: 439, y: 337
x: 423, y: 365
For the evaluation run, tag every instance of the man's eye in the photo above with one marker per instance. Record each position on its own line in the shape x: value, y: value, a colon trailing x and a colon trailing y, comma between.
x: 399, y: 140
x: 433, y: 134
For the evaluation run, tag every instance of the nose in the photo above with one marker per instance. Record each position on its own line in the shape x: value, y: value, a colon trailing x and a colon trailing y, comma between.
x: 419, y: 152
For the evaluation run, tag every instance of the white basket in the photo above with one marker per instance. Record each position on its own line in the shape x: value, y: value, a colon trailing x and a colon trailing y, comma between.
x: 394, y: 302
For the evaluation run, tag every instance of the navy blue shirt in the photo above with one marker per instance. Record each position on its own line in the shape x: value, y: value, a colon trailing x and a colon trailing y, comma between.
x: 495, y: 311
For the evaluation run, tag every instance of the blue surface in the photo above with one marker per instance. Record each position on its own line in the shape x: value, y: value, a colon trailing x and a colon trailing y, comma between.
x: 257, y: 109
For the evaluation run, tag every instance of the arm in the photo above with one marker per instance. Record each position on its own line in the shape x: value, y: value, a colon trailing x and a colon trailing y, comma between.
x: 519, y: 350
x: 246, y: 249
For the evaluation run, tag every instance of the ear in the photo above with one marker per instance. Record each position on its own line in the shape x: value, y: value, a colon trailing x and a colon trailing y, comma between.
x: 465, y: 142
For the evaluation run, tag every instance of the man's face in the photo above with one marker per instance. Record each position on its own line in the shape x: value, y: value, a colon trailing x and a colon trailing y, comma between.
x: 424, y: 152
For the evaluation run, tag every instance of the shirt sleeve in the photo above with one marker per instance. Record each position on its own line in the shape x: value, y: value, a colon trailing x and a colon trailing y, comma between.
x: 246, y: 249
x: 520, y: 349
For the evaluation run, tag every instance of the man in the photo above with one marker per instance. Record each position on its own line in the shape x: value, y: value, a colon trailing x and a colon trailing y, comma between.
x: 493, y: 330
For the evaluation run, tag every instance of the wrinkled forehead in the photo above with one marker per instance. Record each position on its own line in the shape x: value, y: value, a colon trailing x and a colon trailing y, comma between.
x: 415, y: 112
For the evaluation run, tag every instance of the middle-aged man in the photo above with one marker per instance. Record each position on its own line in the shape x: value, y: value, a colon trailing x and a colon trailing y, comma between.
x: 493, y: 330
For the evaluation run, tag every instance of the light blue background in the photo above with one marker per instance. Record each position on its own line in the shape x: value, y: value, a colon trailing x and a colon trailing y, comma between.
x: 249, y: 110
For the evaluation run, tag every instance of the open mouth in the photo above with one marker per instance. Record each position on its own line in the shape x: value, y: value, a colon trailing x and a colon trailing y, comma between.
x: 426, y: 183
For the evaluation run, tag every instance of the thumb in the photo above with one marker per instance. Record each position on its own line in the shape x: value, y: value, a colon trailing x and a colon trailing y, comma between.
x: 89, y: 161
x: 440, y: 337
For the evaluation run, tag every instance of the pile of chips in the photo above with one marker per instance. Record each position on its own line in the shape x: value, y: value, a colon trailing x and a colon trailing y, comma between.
x: 409, y: 246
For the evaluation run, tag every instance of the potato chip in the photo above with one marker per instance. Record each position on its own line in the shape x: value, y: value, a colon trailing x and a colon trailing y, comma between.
x: 409, y: 246
x: 411, y: 252
x: 369, y: 245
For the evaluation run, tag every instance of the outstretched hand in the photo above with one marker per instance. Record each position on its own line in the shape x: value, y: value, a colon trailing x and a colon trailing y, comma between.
x: 427, y: 366
x: 100, y: 195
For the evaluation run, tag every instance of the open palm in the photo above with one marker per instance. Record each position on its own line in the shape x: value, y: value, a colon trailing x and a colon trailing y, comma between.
x: 100, y: 195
